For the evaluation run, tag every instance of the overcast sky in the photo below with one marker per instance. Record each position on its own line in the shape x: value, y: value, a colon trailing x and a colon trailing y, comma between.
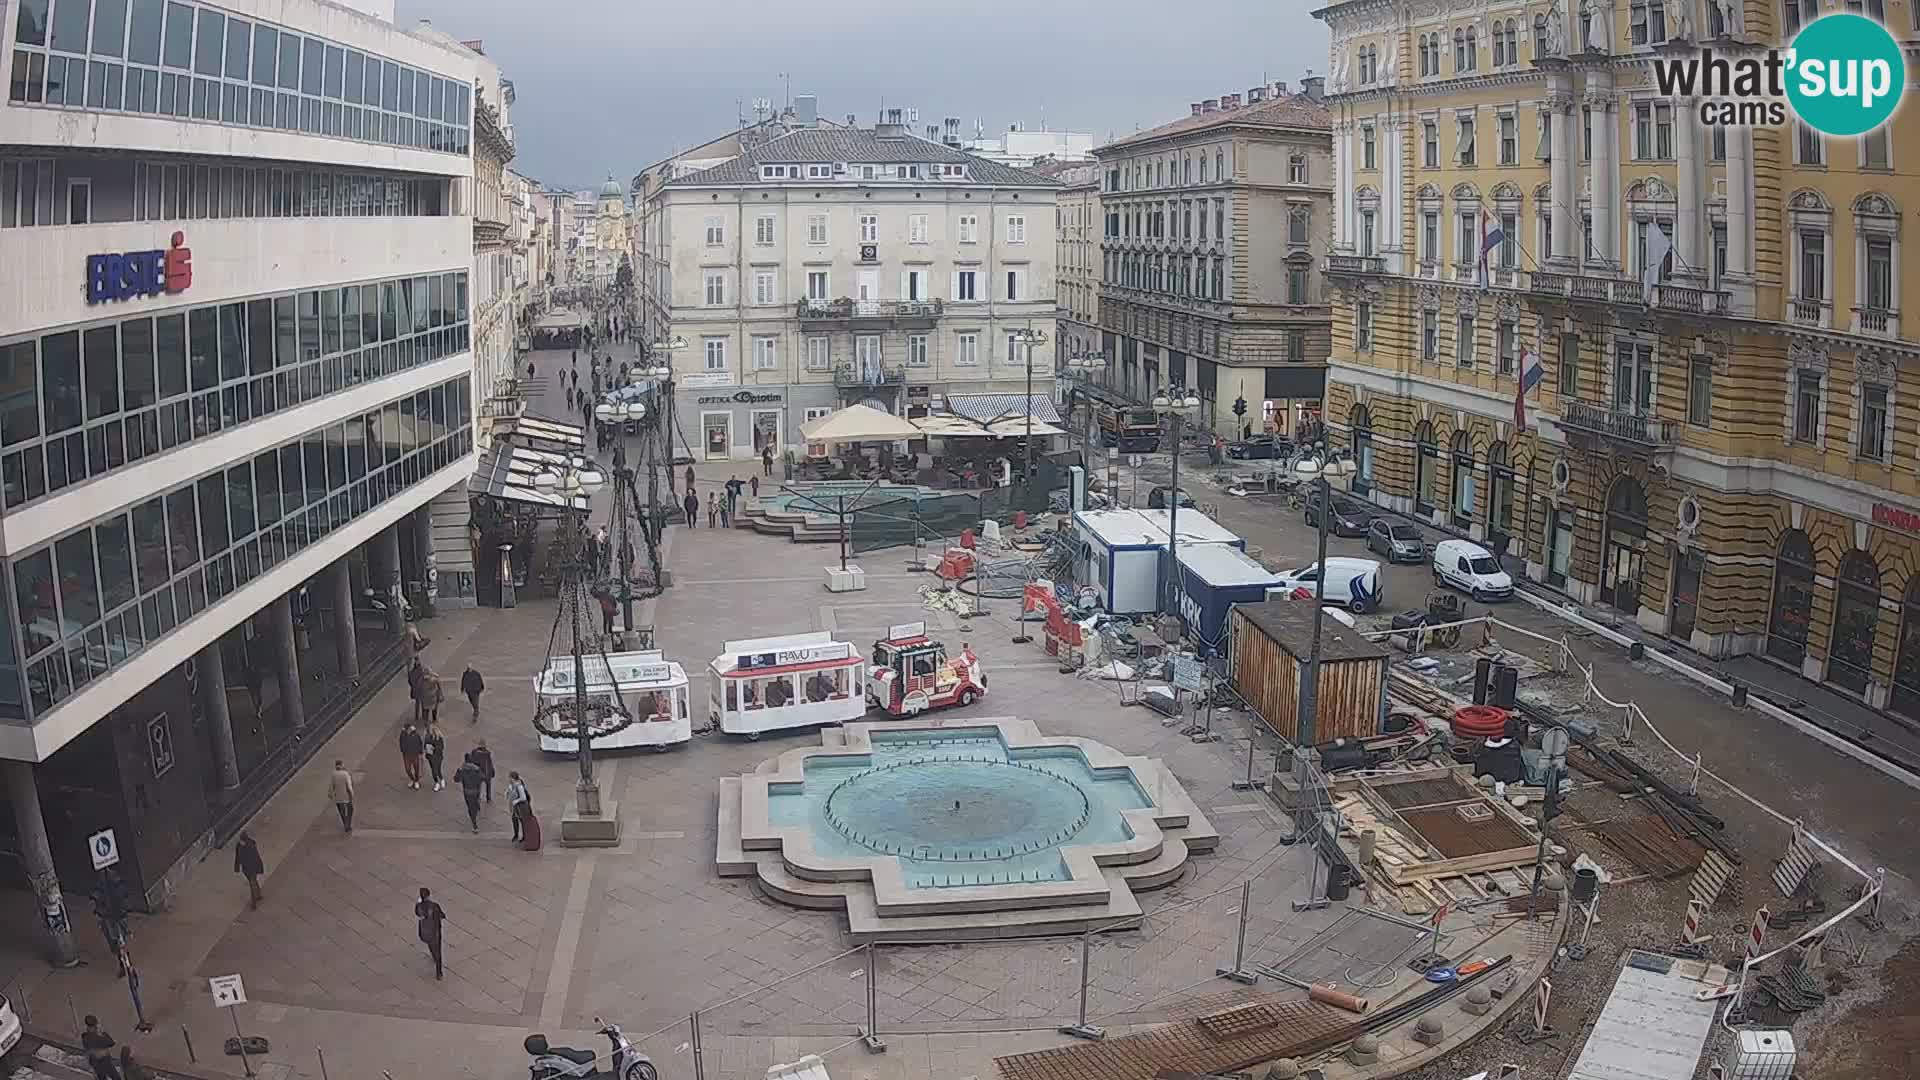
x: 609, y: 86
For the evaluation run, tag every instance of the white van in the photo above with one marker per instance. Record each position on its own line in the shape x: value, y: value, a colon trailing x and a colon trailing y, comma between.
x: 1472, y: 569
x: 1351, y: 583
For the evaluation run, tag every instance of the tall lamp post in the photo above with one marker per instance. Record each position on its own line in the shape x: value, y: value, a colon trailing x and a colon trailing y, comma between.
x: 593, y: 823
x: 1318, y: 467
x: 1083, y: 367
x: 1028, y: 337
x: 664, y: 372
x: 1174, y: 403
x: 620, y: 537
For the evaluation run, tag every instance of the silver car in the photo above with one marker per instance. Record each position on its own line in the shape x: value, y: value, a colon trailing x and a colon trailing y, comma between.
x: 1398, y: 542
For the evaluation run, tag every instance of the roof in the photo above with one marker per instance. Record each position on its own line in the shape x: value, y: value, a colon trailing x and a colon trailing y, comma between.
x: 950, y: 426
x: 1289, y: 624
x: 857, y: 423
x: 612, y: 189
x: 1069, y: 173
x: 987, y: 408
x: 1120, y: 528
x: 1195, y: 527
x: 632, y: 669
x: 1224, y: 566
x: 861, y: 145
x: 507, y: 472
x: 1295, y: 111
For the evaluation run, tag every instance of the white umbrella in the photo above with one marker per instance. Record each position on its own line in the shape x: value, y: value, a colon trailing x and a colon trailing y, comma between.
x: 857, y: 423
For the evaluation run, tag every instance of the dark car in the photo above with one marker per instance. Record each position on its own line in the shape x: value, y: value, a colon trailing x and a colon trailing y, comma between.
x: 1158, y: 498
x: 1398, y: 542
x: 1258, y: 448
x: 1348, y: 518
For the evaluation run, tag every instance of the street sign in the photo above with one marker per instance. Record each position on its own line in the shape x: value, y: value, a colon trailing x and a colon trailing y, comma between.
x: 1188, y: 674
x: 104, y: 849
x: 227, y: 991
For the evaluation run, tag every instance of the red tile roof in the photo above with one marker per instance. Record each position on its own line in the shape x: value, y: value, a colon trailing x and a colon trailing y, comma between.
x: 1293, y: 111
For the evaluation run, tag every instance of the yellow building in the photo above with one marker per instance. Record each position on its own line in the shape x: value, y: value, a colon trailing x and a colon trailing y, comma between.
x: 1724, y: 447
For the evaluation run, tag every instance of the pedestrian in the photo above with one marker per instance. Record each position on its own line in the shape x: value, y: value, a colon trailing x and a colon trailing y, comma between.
x: 99, y: 1047
x: 416, y: 673
x: 247, y: 862
x: 436, y: 748
x: 689, y: 478
x: 574, y: 357
x: 692, y: 505
x: 713, y: 508
x: 519, y: 802
x: 432, y: 696
x: 753, y: 484
x: 410, y: 749
x: 576, y: 378
x: 726, y: 514
x: 529, y: 371
x: 340, y: 790
x: 766, y: 458
x: 483, y: 757
x: 433, y: 920
x: 607, y: 608
x: 472, y: 685
x: 131, y: 1069
x: 602, y: 550
x: 569, y: 399
x: 468, y: 777
x: 417, y: 641
x: 734, y: 487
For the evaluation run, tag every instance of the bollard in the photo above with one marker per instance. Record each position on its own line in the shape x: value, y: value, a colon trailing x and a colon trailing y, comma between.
x: 75, y: 1011
x: 322, y: 1055
x: 187, y: 1037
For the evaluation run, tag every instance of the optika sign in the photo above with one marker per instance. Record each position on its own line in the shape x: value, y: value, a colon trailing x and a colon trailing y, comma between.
x: 1842, y: 76
x: 140, y: 273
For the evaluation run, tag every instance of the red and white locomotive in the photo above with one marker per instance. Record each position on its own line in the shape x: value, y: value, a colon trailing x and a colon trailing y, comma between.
x: 911, y: 673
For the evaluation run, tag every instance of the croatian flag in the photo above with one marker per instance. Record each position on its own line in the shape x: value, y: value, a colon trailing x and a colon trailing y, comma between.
x: 1491, y: 236
x: 1530, y: 374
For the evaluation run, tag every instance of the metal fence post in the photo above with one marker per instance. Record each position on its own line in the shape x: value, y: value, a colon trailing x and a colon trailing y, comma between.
x: 1253, y: 740
x: 1083, y: 1030
x: 871, y: 1036
x: 699, y: 1063
x: 322, y: 1055
x: 1238, y: 972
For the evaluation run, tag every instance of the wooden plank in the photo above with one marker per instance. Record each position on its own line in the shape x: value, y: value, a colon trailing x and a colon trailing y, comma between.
x: 1491, y: 860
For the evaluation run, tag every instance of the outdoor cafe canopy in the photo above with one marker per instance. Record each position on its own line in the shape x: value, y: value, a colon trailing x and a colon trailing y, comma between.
x: 858, y: 423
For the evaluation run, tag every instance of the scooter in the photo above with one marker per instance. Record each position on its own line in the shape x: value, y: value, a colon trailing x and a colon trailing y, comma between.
x: 566, y: 1063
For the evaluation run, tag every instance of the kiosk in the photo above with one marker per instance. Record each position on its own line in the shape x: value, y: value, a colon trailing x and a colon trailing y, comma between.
x: 796, y: 681
x: 650, y: 687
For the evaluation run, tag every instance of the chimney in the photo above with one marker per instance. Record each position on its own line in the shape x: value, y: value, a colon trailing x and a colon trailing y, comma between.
x: 1230, y: 101
x: 1313, y: 86
x: 1280, y: 88
x: 1210, y: 105
x: 1196, y: 108
x: 806, y: 110
x: 850, y: 120
x: 1256, y: 94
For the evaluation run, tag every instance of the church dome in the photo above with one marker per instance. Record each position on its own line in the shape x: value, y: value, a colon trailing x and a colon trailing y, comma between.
x: 612, y: 189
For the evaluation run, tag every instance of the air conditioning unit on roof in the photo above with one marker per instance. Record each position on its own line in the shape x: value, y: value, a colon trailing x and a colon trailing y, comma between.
x: 839, y: 167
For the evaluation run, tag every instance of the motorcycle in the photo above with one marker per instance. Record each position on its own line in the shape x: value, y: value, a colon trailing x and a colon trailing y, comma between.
x: 374, y: 600
x: 567, y: 1063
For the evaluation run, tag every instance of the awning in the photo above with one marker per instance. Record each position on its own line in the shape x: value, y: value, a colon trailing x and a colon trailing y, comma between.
x: 989, y: 407
x: 560, y: 319
x: 948, y: 426
x: 540, y: 433
x: 857, y: 423
x: 507, y: 472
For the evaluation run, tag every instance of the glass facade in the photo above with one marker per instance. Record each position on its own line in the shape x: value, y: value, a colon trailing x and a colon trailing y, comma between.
x: 79, y: 401
x: 192, y: 61
x: 96, y: 191
x: 95, y: 597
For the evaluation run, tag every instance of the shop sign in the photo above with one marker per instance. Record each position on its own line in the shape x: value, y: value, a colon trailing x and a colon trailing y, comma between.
x: 833, y: 650
x: 705, y: 380
x: 127, y: 274
x: 744, y: 397
x: 646, y: 673
x: 919, y: 391
x: 1893, y: 517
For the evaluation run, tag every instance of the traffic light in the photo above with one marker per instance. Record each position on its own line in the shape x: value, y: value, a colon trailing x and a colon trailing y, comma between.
x: 1240, y: 406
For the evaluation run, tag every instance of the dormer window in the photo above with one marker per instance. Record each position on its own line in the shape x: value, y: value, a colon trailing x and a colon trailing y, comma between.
x: 779, y: 172
x: 819, y: 172
x: 959, y: 171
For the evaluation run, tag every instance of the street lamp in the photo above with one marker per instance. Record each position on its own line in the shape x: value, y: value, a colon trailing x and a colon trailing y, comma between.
x: 1174, y: 403
x: 1028, y: 337
x: 664, y: 372
x: 574, y: 481
x: 1318, y: 466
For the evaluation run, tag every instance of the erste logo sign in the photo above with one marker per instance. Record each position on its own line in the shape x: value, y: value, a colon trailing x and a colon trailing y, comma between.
x: 128, y: 274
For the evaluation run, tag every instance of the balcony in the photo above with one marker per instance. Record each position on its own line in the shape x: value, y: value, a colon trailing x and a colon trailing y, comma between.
x: 1809, y: 311
x: 1665, y: 296
x: 1356, y: 265
x: 874, y: 314
x: 854, y: 376
x: 1641, y: 435
x: 1876, y: 322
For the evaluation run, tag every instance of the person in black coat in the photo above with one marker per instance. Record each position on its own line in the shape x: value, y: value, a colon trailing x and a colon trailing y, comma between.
x: 247, y: 862
x: 472, y: 685
x: 692, y: 505
x: 433, y: 920
x: 483, y: 757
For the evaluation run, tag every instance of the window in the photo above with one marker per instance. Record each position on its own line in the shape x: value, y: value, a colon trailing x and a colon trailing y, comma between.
x: 1430, y: 237
x: 1016, y: 285
x: 1429, y: 335
x: 917, y: 350
x: 1507, y: 347
x: 1510, y: 241
x: 1016, y: 229
x: 1813, y: 265
x: 819, y: 354
x: 969, y: 229
x: 1653, y: 131
x: 1468, y: 253
x: 1363, y: 326
x: 1463, y: 342
x: 1809, y: 148
x: 1699, y: 390
x: 1878, y: 292
x: 1874, y: 152
x: 1366, y: 232
x: 1648, y: 19
x: 1540, y: 36
x: 1509, y: 140
x: 1569, y: 365
x: 1643, y: 231
x: 1464, y: 141
x: 763, y: 230
x: 1220, y: 219
x: 1586, y: 133
x: 917, y: 229
x: 1719, y: 150
x: 1297, y: 285
x: 1297, y: 161
x: 1719, y: 252
x: 1806, y: 407
x: 966, y: 285
x: 716, y: 351
x: 869, y: 228
x: 817, y: 286
x: 819, y: 172
x: 1299, y: 223
x: 716, y: 232
x: 764, y: 356
x: 763, y: 287
x: 816, y: 228
x: 966, y: 349
x: 716, y: 293
x: 818, y: 411
x: 1633, y: 378
x: 1875, y: 411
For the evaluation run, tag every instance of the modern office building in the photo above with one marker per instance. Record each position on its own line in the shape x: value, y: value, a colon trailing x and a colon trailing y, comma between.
x: 1722, y: 446
x: 234, y: 347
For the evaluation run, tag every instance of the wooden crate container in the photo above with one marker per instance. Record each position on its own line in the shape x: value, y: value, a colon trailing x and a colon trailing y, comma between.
x: 1271, y: 643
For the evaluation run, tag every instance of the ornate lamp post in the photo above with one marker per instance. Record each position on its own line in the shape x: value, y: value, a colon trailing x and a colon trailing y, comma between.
x: 619, y: 557
x: 1028, y: 337
x: 1319, y: 466
x: 1174, y: 403
x: 663, y: 370
x: 593, y: 823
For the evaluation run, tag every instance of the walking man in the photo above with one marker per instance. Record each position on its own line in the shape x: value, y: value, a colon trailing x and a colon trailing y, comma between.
x: 753, y: 483
x: 247, y: 862
x: 472, y: 685
x: 483, y: 757
x: 519, y: 802
x: 99, y: 1047
x: 468, y: 777
x: 689, y: 478
x: 692, y: 505
x: 340, y: 790
x: 415, y: 672
x: 766, y: 458
x: 411, y: 748
x: 433, y: 920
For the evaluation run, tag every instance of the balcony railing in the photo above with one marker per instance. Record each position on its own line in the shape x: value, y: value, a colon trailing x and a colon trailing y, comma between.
x: 1356, y: 264
x: 1593, y: 289
x: 1809, y: 311
x: 856, y: 310
x: 1642, y: 432
x: 851, y: 375
x: 1689, y: 300
x: 1876, y: 321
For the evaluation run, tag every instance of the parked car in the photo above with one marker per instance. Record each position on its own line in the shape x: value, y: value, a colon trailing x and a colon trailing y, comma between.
x: 1352, y: 583
x: 1349, y: 518
x: 1160, y: 498
x: 9, y: 1025
x: 1258, y: 448
x: 1398, y: 542
x: 1465, y: 565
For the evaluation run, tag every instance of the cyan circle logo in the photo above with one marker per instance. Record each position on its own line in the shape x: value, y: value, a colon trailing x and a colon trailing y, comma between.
x: 1845, y: 75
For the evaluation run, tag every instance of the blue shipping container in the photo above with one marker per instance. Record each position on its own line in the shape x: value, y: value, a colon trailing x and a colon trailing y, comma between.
x: 1213, y: 578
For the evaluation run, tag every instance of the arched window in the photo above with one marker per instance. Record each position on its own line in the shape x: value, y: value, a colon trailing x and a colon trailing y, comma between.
x: 1473, y: 49
x: 1792, y: 607
x: 1426, y: 462
x: 1856, y: 621
x: 1360, y: 427
x: 1623, y: 551
x: 1499, y: 490
x: 1906, y: 658
x: 1540, y: 35
x: 1459, y: 50
x: 1465, y: 486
